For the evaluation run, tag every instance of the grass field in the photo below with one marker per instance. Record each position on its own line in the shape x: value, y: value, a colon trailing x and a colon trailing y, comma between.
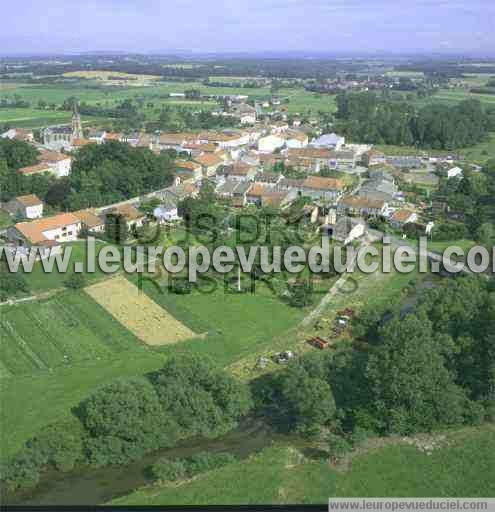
x: 235, y: 324
x: 41, y: 281
x: 138, y: 313
x: 478, y: 153
x: 60, y: 331
x: 5, y: 219
x: 100, y: 92
x: 463, y: 466
x: 29, y: 403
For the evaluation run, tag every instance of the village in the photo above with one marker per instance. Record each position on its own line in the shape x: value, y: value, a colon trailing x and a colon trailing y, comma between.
x: 246, y: 167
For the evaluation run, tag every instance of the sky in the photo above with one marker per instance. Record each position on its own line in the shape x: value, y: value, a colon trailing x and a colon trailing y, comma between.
x: 257, y: 26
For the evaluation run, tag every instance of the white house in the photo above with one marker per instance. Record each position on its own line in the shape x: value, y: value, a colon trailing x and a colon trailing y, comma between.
x: 166, y: 212
x: 347, y: 229
x: 455, y: 172
x: 97, y: 136
x: 18, y: 134
x: 362, y: 206
x: 46, y: 234
x: 270, y: 143
x: 90, y: 221
x: 27, y: 207
x: 295, y: 139
x: 60, y: 163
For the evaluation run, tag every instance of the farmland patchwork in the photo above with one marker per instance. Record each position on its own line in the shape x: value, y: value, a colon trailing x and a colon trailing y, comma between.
x: 138, y: 313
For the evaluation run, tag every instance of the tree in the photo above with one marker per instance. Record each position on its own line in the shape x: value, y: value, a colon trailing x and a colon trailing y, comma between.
x: 116, y: 229
x: 125, y: 420
x: 202, y: 399
x: 412, y: 390
x: 301, y: 293
x: 75, y: 281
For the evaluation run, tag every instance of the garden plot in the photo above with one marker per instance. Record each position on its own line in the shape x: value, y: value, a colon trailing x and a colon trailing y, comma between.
x: 138, y: 313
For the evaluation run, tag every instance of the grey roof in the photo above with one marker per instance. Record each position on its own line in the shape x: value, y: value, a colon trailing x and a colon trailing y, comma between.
x: 344, y: 226
x: 242, y: 188
x: 326, y: 140
x: 404, y: 161
x: 228, y: 186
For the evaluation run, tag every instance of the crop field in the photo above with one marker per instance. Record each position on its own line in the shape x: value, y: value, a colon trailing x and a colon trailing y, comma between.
x: 107, y: 94
x: 112, y: 76
x: 57, y: 332
x: 138, y: 313
x: 235, y: 324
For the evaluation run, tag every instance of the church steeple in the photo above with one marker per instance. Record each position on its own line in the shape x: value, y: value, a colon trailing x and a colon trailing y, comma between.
x: 77, y: 132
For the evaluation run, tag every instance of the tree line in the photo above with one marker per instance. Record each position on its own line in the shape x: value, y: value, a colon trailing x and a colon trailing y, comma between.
x: 129, y: 417
x: 101, y: 174
x: 370, y: 118
x: 428, y: 369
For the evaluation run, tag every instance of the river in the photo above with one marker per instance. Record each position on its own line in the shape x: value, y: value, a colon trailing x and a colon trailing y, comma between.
x: 92, y: 486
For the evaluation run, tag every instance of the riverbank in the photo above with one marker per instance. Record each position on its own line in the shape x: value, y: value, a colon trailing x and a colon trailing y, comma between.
x: 92, y: 486
x: 460, y: 463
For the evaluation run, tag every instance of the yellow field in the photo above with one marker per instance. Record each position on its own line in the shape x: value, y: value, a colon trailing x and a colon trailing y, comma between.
x: 138, y: 313
x: 106, y: 76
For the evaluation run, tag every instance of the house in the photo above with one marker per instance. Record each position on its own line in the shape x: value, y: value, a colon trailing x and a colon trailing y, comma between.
x: 342, y: 160
x: 310, y: 159
x: 274, y: 199
x: 404, y: 162
x: 98, y: 136
x: 80, y: 143
x: 316, y: 187
x: 167, y: 210
x: 373, y: 157
x: 255, y: 193
x: 329, y: 141
x: 90, y: 221
x: 175, y: 141
x: 132, y: 216
x: 346, y: 229
x: 401, y: 217
x: 225, y: 140
x: 239, y: 193
x: 188, y: 170
x: 455, y: 172
x: 131, y: 138
x: 295, y: 139
x: 35, y: 169
x: 18, y: 134
x: 60, y: 163
x: 115, y: 136
x: 26, y: 207
x: 245, y: 113
x: 240, y: 171
x: 362, y: 206
x: 269, y: 178
x: 379, y: 189
x: 279, y: 127
x: 46, y: 233
x: 210, y: 162
x: 270, y: 143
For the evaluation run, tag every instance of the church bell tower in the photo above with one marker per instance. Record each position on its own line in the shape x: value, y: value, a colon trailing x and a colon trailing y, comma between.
x: 77, y: 132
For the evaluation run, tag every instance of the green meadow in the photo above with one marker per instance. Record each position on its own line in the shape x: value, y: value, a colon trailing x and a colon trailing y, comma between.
x: 462, y: 466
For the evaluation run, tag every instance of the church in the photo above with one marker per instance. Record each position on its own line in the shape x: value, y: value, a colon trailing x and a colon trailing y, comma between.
x: 64, y: 137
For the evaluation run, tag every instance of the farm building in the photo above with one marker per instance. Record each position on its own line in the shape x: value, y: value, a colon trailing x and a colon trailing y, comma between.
x: 26, y: 207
